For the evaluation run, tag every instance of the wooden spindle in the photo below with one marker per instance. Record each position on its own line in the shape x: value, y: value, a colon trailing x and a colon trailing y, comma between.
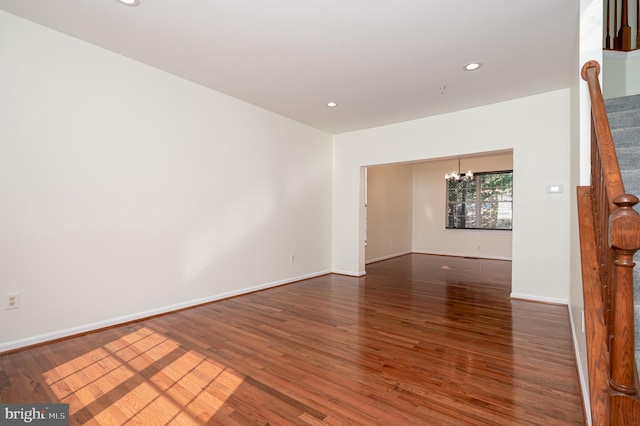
x: 637, y: 24
x: 625, y: 32
x: 616, y: 39
x: 607, y: 42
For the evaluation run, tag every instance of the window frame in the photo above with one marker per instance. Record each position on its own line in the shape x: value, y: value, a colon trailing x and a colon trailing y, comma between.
x: 477, y: 203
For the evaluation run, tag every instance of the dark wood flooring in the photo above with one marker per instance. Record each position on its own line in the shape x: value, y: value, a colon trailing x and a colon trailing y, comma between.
x: 420, y: 340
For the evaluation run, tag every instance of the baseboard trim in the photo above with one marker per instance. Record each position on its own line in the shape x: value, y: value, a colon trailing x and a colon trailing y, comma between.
x: 540, y: 299
x: 584, y: 381
x: 98, y: 325
x: 391, y: 256
x: 349, y: 273
x: 474, y: 256
x: 620, y: 55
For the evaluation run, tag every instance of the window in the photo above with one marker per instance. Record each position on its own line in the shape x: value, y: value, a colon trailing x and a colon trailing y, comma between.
x: 483, y: 203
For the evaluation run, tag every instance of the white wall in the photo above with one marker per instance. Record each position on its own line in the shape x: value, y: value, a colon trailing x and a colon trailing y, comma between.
x: 429, y: 214
x: 620, y: 71
x: 127, y: 191
x: 536, y: 128
x: 389, y: 211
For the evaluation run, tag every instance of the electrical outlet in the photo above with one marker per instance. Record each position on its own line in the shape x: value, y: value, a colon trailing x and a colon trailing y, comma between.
x: 11, y: 301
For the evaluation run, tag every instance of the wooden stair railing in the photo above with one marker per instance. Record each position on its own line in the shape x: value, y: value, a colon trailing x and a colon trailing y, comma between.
x: 622, y: 38
x: 609, y: 237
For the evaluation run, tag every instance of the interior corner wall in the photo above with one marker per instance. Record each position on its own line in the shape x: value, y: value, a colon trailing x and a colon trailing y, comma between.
x: 389, y: 211
x: 536, y: 128
x: 127, y: 191
x: 429, y: 211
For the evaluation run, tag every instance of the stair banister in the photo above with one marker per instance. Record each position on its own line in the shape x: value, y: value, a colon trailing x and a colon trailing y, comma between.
x: 621, y: 36
x: 600, y: 124
x: 618, y: 234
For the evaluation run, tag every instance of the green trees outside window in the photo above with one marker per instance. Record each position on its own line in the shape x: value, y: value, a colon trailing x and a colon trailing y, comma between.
x: 485, y: 202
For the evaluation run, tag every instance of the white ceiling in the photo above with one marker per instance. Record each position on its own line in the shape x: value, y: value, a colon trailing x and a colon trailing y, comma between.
x: 383, y: 61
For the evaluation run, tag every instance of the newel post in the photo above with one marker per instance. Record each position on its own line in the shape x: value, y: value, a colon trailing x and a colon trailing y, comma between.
x: 624, y: 239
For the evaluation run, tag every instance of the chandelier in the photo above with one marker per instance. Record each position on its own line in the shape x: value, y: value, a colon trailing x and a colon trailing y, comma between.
x: 458, y: 176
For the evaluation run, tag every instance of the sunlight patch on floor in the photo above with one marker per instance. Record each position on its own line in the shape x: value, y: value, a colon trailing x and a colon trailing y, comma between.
x: 147, y: 378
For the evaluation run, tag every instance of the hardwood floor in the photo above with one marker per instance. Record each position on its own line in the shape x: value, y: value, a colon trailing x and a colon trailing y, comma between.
x: 420, y: 340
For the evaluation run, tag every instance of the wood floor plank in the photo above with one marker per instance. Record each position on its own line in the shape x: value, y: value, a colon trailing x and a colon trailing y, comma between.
x: 425, y: 340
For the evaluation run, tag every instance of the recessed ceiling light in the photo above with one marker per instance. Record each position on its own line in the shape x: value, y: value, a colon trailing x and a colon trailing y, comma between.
x: 332, y: 104
x: 133, y: 3
x: 472, y: 66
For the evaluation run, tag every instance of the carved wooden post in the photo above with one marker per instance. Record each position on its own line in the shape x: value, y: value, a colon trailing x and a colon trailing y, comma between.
x: 624, y: 239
